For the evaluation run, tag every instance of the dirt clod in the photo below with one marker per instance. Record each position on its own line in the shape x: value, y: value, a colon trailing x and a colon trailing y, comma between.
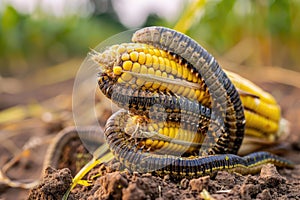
x: 264, y: 195
x: 270, y: 176
x: 199, y: 184
x: 132, y: 192
x: 53, y: 186
x: 111, y: 186
x: 123, y: 185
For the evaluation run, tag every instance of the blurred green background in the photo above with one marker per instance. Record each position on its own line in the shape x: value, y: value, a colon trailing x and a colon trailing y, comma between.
x: 38, y: 34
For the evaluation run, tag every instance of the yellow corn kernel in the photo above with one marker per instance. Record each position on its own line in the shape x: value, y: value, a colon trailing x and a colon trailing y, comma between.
x: 134, y: 56
x: 155, y: 126
x: 117, y: 70
x: 163, y: 53
x: 156, y: 84
x: 192, y: 94
x: 121, y: 49
x: 168, y: 148
x: 144, y: 50
x: 185, y: 92
x: 254, y: 133
x: 171, y: 132
x: 143, y: 69
x: 156, y: 52
x: 179, y: 70
x: 163, y: 85
x: 180, y: 90
x: 177, y: 133
x: 166, y: 131
x: 190, y: 76
x: 201, y: 96
x: 165, y: 146
x: 160, y: 124
x: 162, y: 66
x: 154, y: 144
x: 173, y: 88
x: 125, y: 56
x: 150, y: 72
x: 175, y: 148
x: 160, y: 144
x: 142, y: 58
x: 121, y: 81
x: 195, y: 78
x: 126, y: 77
x: 185, y: 72
x: 158, y: 73
x: 149, y: 142
x: 127, y: 65
x: 151, y: 51
x: 174, y: 67
x: 148, y: 60
x: 155, y: 62
x: 136, y: 67
x: 140, y: 82
x: 164, y: 74
x: 161, y: 131
x: 168, y: 66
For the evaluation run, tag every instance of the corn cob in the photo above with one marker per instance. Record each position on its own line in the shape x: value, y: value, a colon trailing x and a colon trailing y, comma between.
x: 144, y: 67
x: 179, y: 85
x: 166, y: 78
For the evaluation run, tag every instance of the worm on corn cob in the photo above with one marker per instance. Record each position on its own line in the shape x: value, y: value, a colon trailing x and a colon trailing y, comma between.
x: 144, y: 67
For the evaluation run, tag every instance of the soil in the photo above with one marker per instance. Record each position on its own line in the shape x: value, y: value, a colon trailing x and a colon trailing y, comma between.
x: 269, y: 184
x: 111, y: 181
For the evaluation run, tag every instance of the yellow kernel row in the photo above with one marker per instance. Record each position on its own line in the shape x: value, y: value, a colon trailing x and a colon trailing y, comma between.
x: 254, y: 133
x: 165, y: 147
x: 253, y: 120
x: 160, y: 61
x: 136, y: 67
x: 258, y: 106
x: 176, y: 133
